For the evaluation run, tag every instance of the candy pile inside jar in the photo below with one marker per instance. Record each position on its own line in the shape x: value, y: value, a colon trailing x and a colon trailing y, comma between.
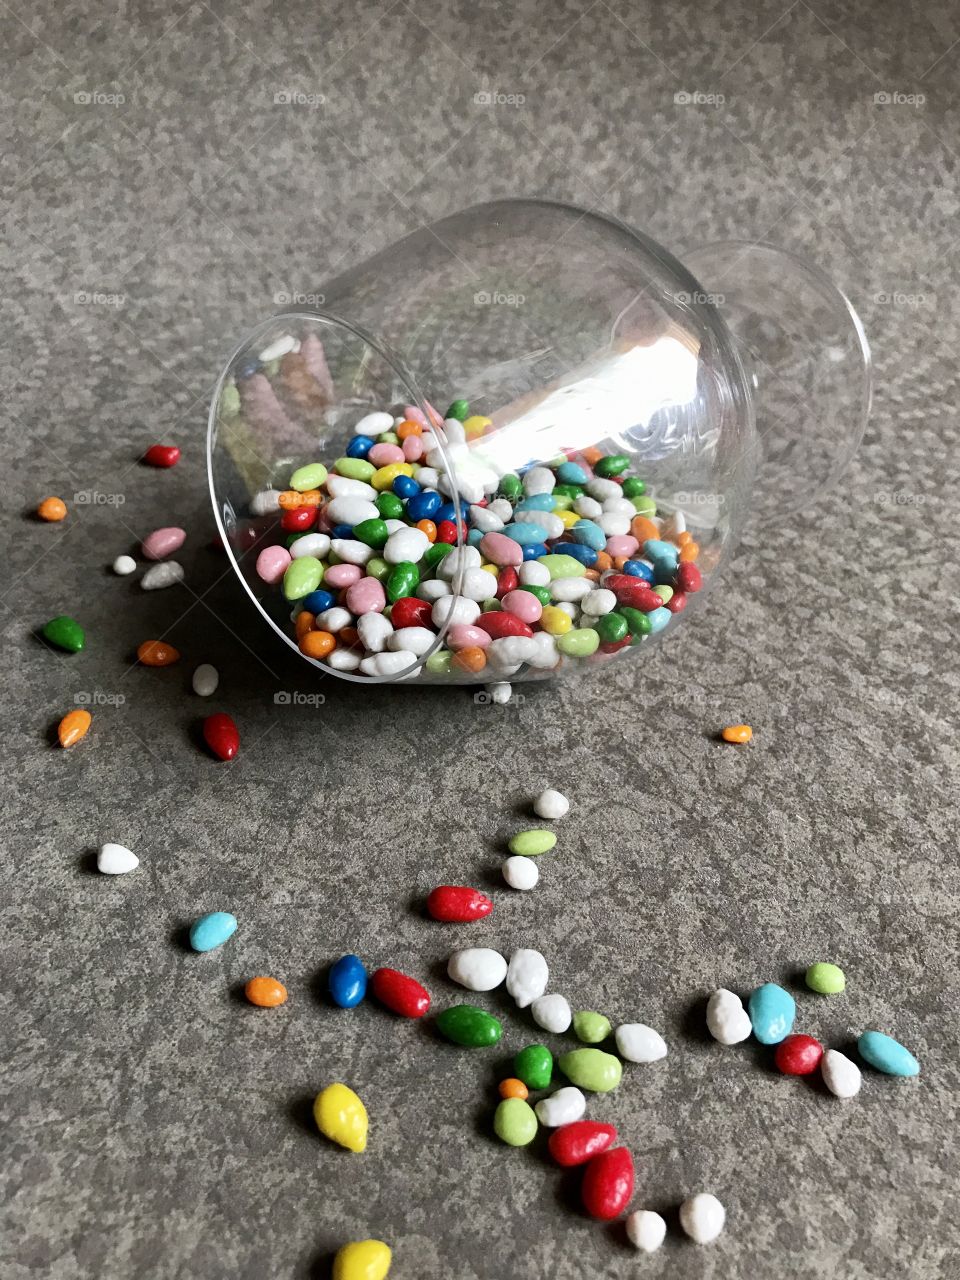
x: 566, y: 562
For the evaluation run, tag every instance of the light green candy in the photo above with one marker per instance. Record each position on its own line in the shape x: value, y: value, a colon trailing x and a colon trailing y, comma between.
x: 664, y: 592
x: 376, y: 568
x: 591, y: 1069
x: 644, y: 506
x: 562, y: 566
x: 311, y: 476
x: 515, y: 1122
x: 533, y: 842
x: 591, y: 1027
x: 438, y: 664
x: 302, y: 576
x: 229, y: 401
x: 579, y: 643
x: 388, y: 437
x: 354, y: 468
x: 562, y: 502
x: 272, y: 368
x: 827, y: 979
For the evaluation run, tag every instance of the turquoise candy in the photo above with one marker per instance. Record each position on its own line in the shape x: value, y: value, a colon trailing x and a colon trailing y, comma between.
x: 570, y: 473
x: 537, y: 502
x: 212, y: 931
x: 665, y: 555
x: 66, y: 633
x: 527, y: 534
x: 589, y: 534
x: 885, y: 1054
x: 772, y: 1011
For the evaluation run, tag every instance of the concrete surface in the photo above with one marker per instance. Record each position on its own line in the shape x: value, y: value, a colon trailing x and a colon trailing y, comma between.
x: 155, y: 1126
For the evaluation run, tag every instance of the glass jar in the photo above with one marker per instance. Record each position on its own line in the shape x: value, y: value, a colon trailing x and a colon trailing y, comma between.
x: 608, y: 411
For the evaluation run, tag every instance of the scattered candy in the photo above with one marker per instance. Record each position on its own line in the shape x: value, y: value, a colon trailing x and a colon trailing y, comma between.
x: 512, y: 1088
x: 52, y: 510
x: 552, y: 1013
x: 646, y: 1230
x: 162, y: 575
x: 608, y: 1184
x: 124, y: 565
x: 265, y: 993
x: 515, y: 1122
x: 66, y: 633
x: 116, y: 860
x: 826, y: 979
x: 702, y: 1217
x: 450, y: 902
x: 467, y: 1025
x: 205, y: 680
x: 841, y: 1076
x: 221, y: 736
x: 162, y: 543
x: 534, y: 1066
x: 341, y: 1117
x: 591, y: 1069
x: 576, y: 1143
x: 157, y: 653
x: 347, y: 981
x: 527, y: 977
x: 736, y: 733
x: 530, y: 844
x: 520, y: 872
x: 162, y: 455
x: 885, y: 1054
x: 772, y: 1011
x: 73, y: 727
x: 563, y: 1107
x: 212, y: 930
x: 477, y: 968
x: 551, y: 805
x: 401, y: 994
x: 798, y: 1055
x: 727, y: 1020
x: 638, y: 1043
x: 590, y: 1027
x: 362, y: 1260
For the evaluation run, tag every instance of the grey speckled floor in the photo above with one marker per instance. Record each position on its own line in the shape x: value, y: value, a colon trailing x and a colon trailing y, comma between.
x: 154, y: 1125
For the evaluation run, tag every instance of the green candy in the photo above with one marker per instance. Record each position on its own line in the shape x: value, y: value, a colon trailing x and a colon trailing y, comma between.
x: 272, y: 368
x: 66, y: 633
x: 827, y: 979
x: 435, y: 553
x: 302, y: 576
x: 373, y: 532
x: 438, y: 664
x: 402, y: 580
x: 633, y: 487
x: 534, y: 1066
x: 532, y: 842
x: 664, y: 592
x: 467, y: 1025
x: 491, y: 606
x: 354, y: 468
x: 388, y: 437
x: 611, y: 465
x: 644, y: 506
x: 460, y: 409
x: 562, y: 566
x: 229, y: 401
x: 579, y: 643
x: 571, y: 491
x: 638, y: 623
x: 515, y: 1122
x: 591, y: 1027
x: 561, y: 501
x: 376, y: 568
x: 541, y: 593
x: 591, y: 1069
x: 389, y: 506
x: 311, y: 476
x: 611, y: 628
x: 511, y: 486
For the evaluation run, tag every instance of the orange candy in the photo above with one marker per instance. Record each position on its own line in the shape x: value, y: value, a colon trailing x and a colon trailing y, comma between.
x: 303, y: 624
x: 619, y: 562
x: 408, y: 428
x: 737, y: 733
x: 472, y: 659
x: 592, y: 575
x: 290, y: 499
x: 689, y: 552
x: 603, y: 561
x: 591, y: 456
x: 642, y: 528
x: 52, y: 509
x: 73, y: 727
x: 317, y: 644
x: 157, y: 653
x: 311, y: 498
x: 513, y: 1088
x: 429, y: 528
x: 682, y: 539
x: 265, y: 993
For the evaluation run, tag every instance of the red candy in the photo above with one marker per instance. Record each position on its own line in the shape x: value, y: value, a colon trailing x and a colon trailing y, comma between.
x: 446, y: 531
x: 798, y: 1055
x: 500, y: 623
x: 507, y: 580
x: 608, y: 1184
x: 580, y: 1141
x: 638, y: 597
x: 408, y: 611
x: 400, y: 993
x: 689, y: 577
x: 221, y: 736
x: 614, y: 646
x: 162, y: 455
x: 458, y: 902
x: 298, y: 518
x: 677, y: 602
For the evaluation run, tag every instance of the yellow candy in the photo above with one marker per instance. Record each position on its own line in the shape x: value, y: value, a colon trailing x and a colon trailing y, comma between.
x: 384, y: 477
x: 341, y: 1117
x: 362, y: 1260
x: 491, y: 568
x: 555, y: 621
x: 476, y: 426
x: 569, y: 518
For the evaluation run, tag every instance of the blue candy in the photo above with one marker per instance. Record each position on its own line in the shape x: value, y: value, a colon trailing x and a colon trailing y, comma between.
x: 586, y: 555
x: 424, y: 505
x: 359, y: 447
x: 659, y: 618
x: 537, y: 502
x: 212, y: 931
x: 405, y: 487
x: 570, y: 473
x: 534, y: 550
x: 348, y: 982
x: 447, y: 512
x: 887, y: 1055
x: 662, y: 553
x: 772, y: 1010
x: 526, y: 533
x: 318, y: 601
x: 248, y: 370
x: 342, y: 531
x: 639, y: 569
x: 590, y: 534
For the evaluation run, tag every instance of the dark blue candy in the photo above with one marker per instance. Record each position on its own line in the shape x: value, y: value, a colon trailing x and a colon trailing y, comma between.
x: 359, y: 447
x: 348, y: 982
x: 342, y: 531
x: 637, y: 569
x: 586, y: 555
x: 447, y: 512
x: 318, y: 601
x: 424, y: 506
x: 248, y: 370
x: 405, y: 487
x: 533, y: 551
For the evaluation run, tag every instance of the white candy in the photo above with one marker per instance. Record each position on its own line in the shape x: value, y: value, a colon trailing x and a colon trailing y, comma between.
x: 547, y: 655
x: 568, y: 589
x: 418, y: 640
x: 501, y: 693
x: 374, y: 424
x: 614, y: 523
x: 124, y: 565
x: 116, y: 860
x: 394, y: 525
x: 478, y: 584
x: 432, y: 590
x: 533, y: 574
x: 551, y: 805
x: 499, y: 507
x: 311, y: 544
x: 265, y: 503
x: 459, y: 558
x: 456, y: 610
x: 841, y: 1076
x: 279, y: 348
x: 518, y: 871
x: 598, y: 603
x: 351, y: 551
x: 510, y: 651
x: 645, y: 1230
x: 638, y: 1043
x: 351, y: 510
x: 539, y: 480
x: 162, y: 575
x: 527, y: 976
x: 619, y: 506
x: 601, y: 489
x: 485, y: 520
x: 387, y: 664
x: 552, y: 525
x: 477, y: 968
x: 345, y: 487
x: 567, y: 607
x: 453, y: 430
x: 407, y: 544
x: 374, y: 630
x: 427, y: 477
x: 553, y: 1013
x: 205, y: 680
x: 702, y: 1217
x: 588, y: 508
x: 334, y: 619
x: 343, y: 660
x: 727, y: 1020
x: 563, y: 1107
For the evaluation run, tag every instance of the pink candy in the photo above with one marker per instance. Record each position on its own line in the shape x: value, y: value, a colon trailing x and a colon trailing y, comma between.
x: 365, y: 596
x: 499, y: 549
x: 343, y: 575
x: 381, y: 455
x: 413, y: 449
x: 162, y: 542
x: 523, y: 605
x: 461, y: 636
x: 623, y: 545
x: 272, y: 563
x: 413, y: 414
